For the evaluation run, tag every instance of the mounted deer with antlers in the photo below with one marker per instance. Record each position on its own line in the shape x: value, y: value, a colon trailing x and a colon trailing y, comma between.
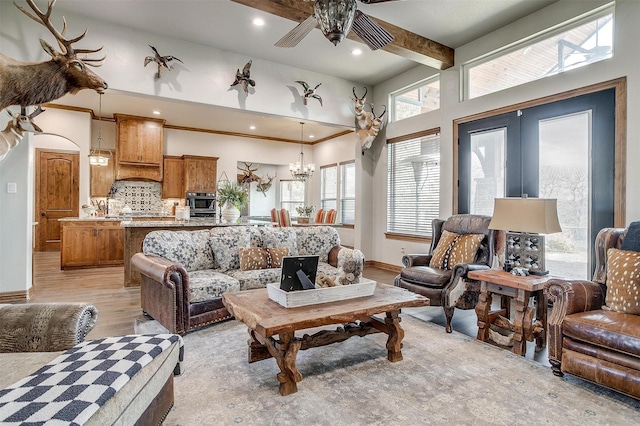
x: 363, y: 118
x: 366, y: 136
x: 34, y: 83
x: 248, y: 174
x: 265, y: 185
x: 21, y: 123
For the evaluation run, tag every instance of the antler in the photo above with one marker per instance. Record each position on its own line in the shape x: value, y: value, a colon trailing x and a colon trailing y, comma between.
x: 383, y: 112
x: 64, y: 43
x: 363, y: 96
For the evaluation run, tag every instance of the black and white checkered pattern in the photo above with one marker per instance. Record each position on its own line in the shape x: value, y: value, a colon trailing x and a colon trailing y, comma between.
x: 72, y: 387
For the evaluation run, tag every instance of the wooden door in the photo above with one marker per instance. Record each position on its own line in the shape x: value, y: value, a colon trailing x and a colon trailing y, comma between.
x: 57, y: 194
x: 79, y: 246
x: 102, y: 177
x: 110, y: 244
x: 207, y: 175
x: 150, y: 142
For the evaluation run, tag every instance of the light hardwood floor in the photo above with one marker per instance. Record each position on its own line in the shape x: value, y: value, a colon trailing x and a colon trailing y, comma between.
x: 119, y: 307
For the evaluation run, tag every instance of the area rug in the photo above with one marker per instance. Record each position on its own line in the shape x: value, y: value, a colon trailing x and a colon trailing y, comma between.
x: 444, y: 379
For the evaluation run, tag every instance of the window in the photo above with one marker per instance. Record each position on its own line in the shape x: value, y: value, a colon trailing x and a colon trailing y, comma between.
x: 348, y: 193
x: 417, y: 99
x: 291, y: 195
x: 580, y: 43
x: 328, y: 187
x: 413, y: 183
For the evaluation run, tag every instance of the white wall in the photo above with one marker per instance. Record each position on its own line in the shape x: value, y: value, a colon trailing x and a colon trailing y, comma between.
x: 624, y: 63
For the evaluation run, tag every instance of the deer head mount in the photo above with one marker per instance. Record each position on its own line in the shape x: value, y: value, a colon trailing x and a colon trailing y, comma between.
x: 29, y: 83
x: 368, y: 125
x: 264, y: 185
x: 248, y: 174
x: 21, y: 123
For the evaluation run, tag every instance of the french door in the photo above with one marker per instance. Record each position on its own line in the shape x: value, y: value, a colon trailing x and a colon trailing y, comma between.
x: 563, y: 150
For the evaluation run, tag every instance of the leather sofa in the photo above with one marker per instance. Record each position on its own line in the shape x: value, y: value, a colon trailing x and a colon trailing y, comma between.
x: 586, y: 339
x: 35, y: 334
x: 185, y: 273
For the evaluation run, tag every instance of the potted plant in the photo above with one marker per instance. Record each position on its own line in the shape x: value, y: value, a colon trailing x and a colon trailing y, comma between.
x: 233, y: 197
x: 304, y: 213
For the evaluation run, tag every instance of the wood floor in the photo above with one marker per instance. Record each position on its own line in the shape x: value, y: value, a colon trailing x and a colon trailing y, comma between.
x: 119, y: 307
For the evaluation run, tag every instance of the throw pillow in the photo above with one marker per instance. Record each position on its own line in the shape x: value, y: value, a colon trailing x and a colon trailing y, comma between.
x: 455, y: 248
x: 261, y: 258
x: 280, y: 237
x: 632, y: 237
x: 623, y: 281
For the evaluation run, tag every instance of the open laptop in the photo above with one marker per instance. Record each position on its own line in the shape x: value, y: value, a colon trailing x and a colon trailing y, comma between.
x: 298, y: 272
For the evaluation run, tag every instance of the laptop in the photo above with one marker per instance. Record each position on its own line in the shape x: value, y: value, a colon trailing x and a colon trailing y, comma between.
x: 298, y: 272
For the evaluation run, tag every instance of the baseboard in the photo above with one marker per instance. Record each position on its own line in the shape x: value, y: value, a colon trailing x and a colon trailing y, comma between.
x: 383, y: 265
x: 16, y: 296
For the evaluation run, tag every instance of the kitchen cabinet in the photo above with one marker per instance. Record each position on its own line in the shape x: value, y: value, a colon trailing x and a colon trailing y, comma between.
x: 173, y: 177
x: 91, y: 243
x: 139, y: 142
x: 102, y: 177
x: 200, y: 173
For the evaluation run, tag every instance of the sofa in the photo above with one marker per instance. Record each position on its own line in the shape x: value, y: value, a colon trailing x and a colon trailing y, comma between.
x: 594, y: 326
x: 36, y: 336
x: 185, y: 273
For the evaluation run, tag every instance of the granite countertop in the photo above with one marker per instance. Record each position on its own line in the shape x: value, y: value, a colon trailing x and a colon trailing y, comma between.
x: 194, y: 221
x: 115, y: 218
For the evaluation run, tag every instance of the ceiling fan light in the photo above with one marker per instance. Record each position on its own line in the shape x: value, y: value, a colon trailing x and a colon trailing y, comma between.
x: 335, y: 18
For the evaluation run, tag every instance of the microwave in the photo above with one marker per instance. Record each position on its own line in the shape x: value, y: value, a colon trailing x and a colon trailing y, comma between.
x: 201, y: 203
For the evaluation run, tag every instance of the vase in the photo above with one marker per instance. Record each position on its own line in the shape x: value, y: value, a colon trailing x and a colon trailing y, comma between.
x: 230, y: 213
x: 303, y: 220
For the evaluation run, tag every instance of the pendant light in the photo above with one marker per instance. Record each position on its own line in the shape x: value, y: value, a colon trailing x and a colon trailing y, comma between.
x: 96, y: 156
x: 335, y: 18
x: 299, y: 170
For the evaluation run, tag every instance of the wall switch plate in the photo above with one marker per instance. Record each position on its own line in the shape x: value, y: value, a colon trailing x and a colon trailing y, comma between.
x: 12, y: 188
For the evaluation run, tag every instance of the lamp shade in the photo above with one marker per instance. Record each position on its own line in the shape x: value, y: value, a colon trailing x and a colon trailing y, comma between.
x: 335, y: 18
x: 534, y: 215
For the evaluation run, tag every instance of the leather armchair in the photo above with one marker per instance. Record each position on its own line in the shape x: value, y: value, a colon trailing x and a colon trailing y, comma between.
x: 598, y: 345
x: 450, y: 288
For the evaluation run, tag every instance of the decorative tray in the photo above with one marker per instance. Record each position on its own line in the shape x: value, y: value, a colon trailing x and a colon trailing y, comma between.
x: 294, y: 299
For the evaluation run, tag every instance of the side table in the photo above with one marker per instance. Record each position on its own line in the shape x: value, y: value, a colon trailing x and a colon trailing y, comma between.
x: 528, y: 322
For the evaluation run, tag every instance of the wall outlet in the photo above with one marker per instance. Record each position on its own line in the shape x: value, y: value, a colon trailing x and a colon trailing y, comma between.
x: 12, y: 188
x: 402, y: 251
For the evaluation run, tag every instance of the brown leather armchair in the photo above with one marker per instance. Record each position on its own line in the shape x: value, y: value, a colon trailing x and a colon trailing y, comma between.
x: 450, y: 288
x: 598, y: 345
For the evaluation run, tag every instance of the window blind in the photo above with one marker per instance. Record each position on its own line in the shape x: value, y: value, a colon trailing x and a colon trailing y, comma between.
x: 348, y: 193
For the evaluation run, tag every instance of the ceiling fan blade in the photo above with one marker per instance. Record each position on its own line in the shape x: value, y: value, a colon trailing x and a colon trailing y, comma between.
x: 372, y: 34
x: 293, y: 37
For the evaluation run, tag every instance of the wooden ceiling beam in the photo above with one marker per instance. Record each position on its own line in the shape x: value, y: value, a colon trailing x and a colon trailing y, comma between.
x: 406, y: 44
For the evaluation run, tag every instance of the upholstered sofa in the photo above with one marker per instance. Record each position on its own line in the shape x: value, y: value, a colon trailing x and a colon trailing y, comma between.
x: 35, y: 336
x: 594, y: 333
x: 185, y: 273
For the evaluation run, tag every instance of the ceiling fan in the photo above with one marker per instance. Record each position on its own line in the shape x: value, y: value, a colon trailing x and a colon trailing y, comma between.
x: 336, y: 18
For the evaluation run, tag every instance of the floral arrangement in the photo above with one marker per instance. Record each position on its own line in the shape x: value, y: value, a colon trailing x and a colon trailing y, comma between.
x: 232, y: 193
x: 305, y: 211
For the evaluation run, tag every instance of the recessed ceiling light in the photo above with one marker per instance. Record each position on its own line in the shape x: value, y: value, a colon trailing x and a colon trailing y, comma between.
x: 258, y: 22
x: 356, y: 52
x: 252, y: 127
x: 312, y: 136
x: 156, y: 112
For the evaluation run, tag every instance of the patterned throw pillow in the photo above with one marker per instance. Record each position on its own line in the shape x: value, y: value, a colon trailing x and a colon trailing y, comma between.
x: 261, y: 258
x: 623, y: 281
x: 455, y: 248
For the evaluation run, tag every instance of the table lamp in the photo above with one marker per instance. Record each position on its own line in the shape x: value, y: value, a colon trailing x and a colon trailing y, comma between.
x: 525, y: 219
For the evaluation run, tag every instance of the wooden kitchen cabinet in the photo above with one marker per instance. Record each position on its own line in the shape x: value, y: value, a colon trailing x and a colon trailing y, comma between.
x: 91, y: 243
x: 173, y: 177
x: 102, y: 177
x: 200, y: 173
x: 139, y: 143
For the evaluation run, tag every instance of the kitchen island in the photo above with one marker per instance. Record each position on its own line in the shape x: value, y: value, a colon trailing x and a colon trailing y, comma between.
x: 136, y: 230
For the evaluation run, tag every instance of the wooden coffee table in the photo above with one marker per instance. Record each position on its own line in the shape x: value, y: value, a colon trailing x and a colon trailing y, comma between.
x: 266, y: 319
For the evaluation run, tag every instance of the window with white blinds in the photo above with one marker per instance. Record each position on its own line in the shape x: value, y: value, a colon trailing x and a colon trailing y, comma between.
x: 328, y: 187
x: 291, y: 195
x: 413, y: 183
x: 348, y: 193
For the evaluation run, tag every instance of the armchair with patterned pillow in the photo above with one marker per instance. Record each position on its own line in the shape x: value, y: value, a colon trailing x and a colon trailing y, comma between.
x: 594, y: 326
x: 460, y: 244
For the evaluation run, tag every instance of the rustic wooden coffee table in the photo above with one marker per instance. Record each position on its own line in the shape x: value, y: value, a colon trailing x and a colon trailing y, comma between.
x: 266, y: 319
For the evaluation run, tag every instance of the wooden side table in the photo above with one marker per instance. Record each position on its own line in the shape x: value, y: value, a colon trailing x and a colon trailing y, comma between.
x: 528, y: 322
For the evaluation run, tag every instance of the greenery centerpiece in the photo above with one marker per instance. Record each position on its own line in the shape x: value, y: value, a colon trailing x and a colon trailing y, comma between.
x: 304, y: 213
x: 234, y: 197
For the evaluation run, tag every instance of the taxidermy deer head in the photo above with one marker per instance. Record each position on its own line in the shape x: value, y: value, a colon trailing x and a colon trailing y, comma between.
x: 368, y: 134
x: 362, y: 116
x: 21, y: 123
x: 265, y: 185
x: 34, y: 83
x: 248, y: 174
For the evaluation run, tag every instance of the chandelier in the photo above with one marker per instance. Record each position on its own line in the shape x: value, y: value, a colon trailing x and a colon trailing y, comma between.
x: 97, y: 157
x: 299, y: 170
x: 335, y: 18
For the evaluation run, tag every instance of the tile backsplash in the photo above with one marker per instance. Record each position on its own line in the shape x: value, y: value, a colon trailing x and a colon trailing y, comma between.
x: 143, y: 198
